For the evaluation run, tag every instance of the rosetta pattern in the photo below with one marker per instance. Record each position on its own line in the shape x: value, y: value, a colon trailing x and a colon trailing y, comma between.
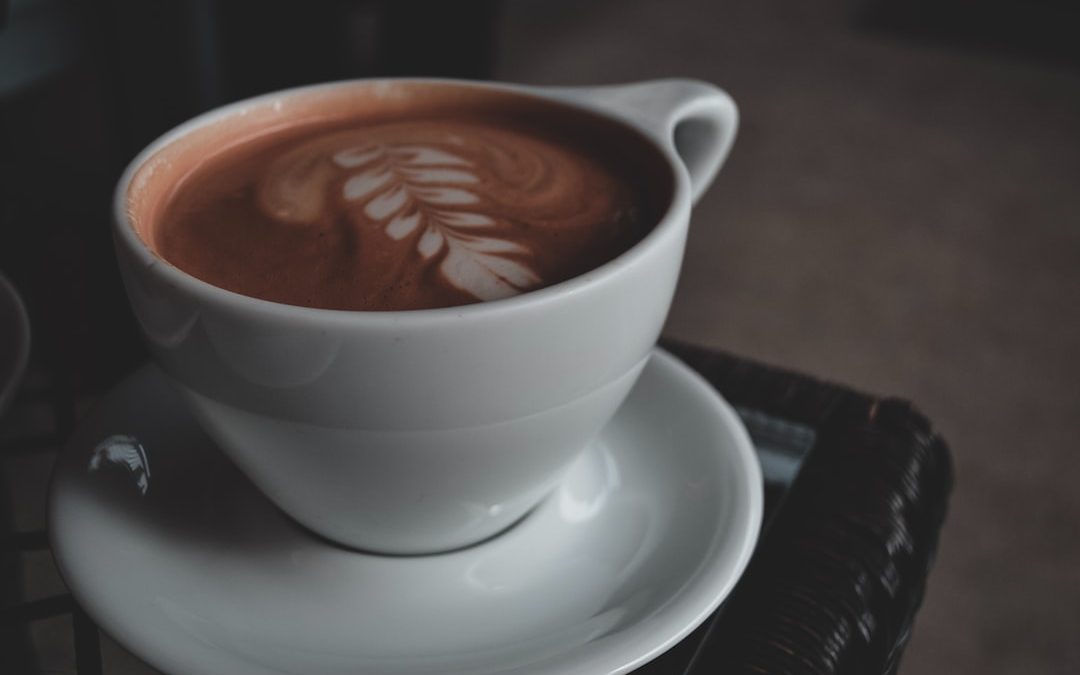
x: 416, y: 188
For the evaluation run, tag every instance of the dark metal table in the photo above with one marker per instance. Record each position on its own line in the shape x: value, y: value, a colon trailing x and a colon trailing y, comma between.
x: 856, y: 493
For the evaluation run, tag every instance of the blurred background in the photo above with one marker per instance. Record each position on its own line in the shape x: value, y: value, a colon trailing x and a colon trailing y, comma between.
x: 901, y: 214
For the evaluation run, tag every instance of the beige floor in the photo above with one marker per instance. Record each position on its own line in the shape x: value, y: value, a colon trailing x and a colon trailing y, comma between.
x: 901, y: 218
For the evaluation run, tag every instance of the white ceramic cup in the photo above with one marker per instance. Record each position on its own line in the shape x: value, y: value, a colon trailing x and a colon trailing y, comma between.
x: 427, y: 430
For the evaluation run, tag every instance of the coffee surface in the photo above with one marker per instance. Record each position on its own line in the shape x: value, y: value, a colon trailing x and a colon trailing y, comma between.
x: 389, y: 214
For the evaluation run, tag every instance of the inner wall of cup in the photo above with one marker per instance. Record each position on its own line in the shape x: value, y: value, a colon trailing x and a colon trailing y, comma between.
x: 184, y: 150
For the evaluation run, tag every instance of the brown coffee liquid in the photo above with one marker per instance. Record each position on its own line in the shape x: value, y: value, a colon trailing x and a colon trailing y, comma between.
x: 446, y: 206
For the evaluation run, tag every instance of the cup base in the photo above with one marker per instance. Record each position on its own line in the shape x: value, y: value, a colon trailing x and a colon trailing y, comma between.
x: 409, y: 492
x: 520, y: 522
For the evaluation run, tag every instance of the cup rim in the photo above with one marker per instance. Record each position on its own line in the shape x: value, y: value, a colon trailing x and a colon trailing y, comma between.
x: 666, y: 226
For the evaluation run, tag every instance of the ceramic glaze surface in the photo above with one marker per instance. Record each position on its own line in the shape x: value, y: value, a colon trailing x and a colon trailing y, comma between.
x: 497, y: 398
x: 179, y: 557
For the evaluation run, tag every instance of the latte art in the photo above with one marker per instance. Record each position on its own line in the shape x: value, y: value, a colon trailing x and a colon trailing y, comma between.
x: 400, y: 215
x: 456, y: 195
x: 412, y: 188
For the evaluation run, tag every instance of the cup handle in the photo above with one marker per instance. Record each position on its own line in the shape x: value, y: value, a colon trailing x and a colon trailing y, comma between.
x: 694, y: 119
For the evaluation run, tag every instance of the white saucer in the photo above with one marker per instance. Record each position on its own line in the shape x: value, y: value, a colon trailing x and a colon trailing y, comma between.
x: 14, y: 341
x: 178, y: 557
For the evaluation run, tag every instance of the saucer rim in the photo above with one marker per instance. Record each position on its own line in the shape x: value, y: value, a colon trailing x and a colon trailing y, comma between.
x: 611, y: 654
x: 716, y: 581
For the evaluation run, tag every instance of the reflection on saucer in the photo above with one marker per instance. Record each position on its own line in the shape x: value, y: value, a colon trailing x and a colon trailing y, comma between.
x: 124, y: 451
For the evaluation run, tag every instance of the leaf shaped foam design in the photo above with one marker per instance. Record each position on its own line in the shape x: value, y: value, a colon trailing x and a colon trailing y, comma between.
x: 390, y: 215
x: 406, y: 188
